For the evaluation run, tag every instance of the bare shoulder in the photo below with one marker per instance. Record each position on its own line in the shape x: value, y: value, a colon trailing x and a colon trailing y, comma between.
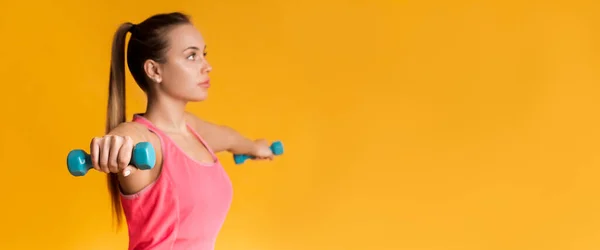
x: 193, y: 119
x: 201, y: 124
x: 139, y: 179
x: 218, y: 136
x: 132, y: 129
x: 138, y: 133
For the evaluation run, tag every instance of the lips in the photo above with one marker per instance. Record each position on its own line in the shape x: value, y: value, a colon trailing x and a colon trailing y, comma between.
x: 204, y: 84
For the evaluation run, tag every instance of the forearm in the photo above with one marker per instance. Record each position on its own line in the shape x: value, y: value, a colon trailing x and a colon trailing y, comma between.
x: 239, y: 144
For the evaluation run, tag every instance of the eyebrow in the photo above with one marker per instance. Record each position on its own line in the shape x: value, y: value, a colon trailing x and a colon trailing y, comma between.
x: 193, y: 47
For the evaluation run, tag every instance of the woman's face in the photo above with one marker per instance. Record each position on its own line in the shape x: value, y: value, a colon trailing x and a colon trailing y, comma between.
x: 184, y: 75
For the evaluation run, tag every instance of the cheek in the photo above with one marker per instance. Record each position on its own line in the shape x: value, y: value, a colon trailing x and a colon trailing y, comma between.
x: 190, y: 70
x: 181, y: 74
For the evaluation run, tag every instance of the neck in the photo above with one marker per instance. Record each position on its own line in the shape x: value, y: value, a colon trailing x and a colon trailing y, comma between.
x: 167, y: 114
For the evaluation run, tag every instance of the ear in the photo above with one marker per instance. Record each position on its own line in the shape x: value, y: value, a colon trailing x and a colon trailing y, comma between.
x: 153, y: 70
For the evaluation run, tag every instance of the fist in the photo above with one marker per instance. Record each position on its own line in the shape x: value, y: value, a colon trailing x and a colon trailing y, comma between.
x: 262, y: 150
x: 112, y: 154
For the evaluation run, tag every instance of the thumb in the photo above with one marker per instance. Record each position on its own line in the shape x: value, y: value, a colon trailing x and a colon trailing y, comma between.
x: 129, y: 170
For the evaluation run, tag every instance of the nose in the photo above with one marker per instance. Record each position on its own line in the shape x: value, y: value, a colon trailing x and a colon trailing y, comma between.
x: 206, y: 68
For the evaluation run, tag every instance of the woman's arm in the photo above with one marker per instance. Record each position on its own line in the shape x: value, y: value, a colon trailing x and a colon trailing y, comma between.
x: 223, y: 138
x: 112, y: 153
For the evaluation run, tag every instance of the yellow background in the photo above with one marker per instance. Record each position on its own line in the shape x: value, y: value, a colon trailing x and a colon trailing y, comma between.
x: 407, y: 124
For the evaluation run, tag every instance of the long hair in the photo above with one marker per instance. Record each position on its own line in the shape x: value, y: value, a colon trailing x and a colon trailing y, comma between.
x: 148, y: 41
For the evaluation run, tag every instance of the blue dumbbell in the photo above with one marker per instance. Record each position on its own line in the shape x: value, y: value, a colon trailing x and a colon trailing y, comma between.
x: 276, y: 148
x: 143, y: 157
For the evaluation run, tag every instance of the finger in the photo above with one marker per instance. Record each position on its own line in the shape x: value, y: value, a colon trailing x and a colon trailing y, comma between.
x: 125, y: 152
x: 115, y: 146
x: 94, y: 151
x: 104, y: 154
x: 130, y: 169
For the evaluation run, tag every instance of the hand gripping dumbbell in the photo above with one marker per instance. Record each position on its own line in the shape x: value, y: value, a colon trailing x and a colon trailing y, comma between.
x: 276, y: 148
x: 143, y: 157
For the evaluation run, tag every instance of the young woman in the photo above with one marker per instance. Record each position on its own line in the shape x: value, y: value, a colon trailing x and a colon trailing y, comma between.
x: 182, y: 202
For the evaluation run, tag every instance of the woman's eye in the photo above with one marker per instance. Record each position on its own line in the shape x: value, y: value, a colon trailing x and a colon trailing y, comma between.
x: 205, y: 54
x: 192, y: 56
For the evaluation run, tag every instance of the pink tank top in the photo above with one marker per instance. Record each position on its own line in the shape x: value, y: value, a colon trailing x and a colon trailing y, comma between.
x: 185, y: 207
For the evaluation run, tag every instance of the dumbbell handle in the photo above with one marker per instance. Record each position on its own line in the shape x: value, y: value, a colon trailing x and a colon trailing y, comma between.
x: 143, y: 157
x: 276, y: 148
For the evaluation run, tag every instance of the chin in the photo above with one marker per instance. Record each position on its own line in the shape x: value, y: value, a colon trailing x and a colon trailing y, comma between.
x: 198, y: 98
